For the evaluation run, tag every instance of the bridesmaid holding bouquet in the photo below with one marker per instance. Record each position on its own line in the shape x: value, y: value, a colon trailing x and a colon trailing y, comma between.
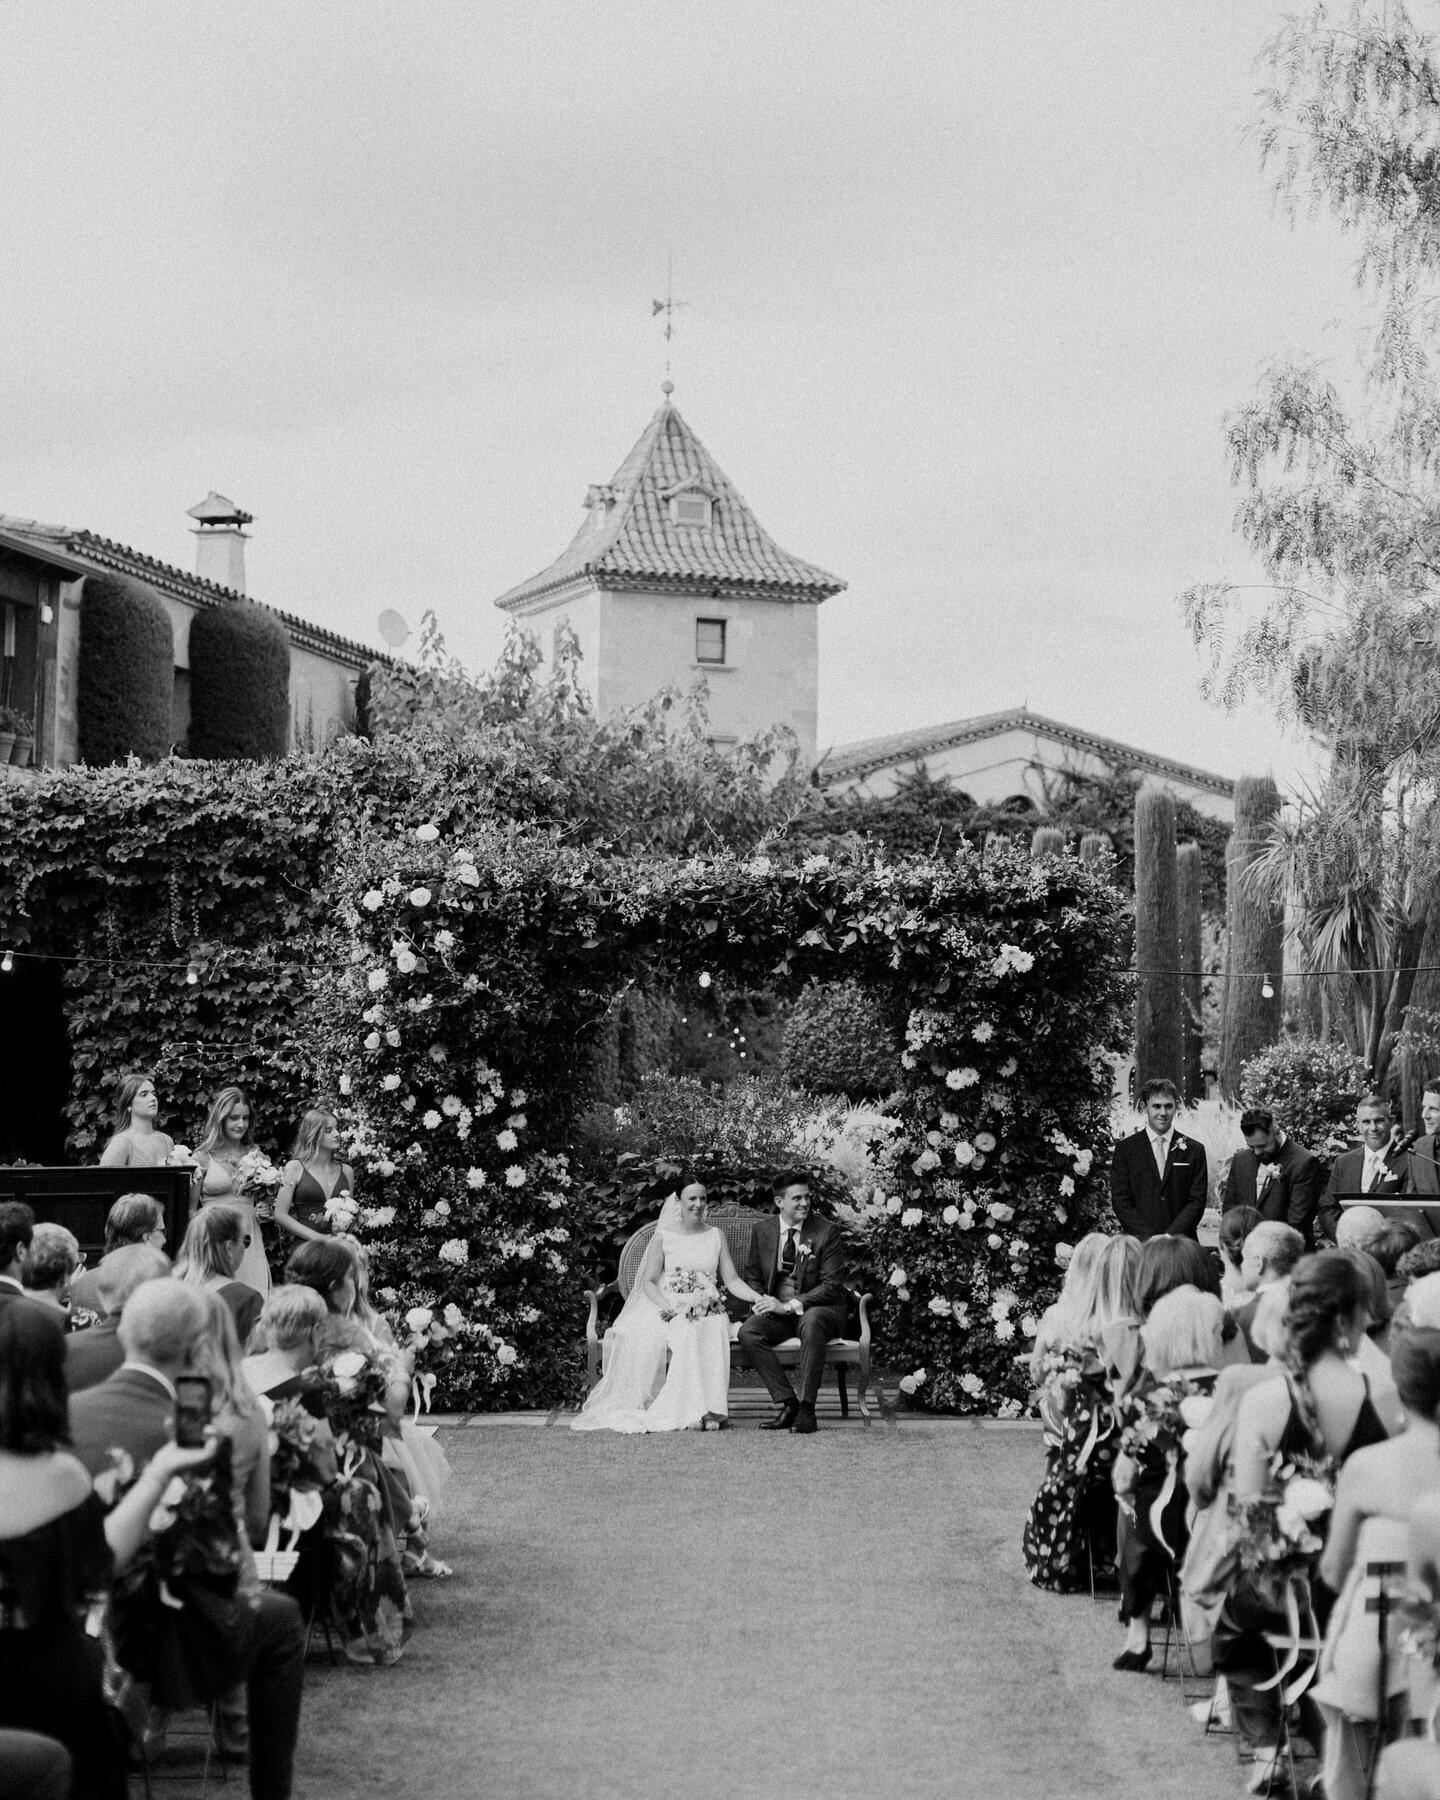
x: 233, y: 1171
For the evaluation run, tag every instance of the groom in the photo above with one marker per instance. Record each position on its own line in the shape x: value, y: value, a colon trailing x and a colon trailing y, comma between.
x: 798, y: 1264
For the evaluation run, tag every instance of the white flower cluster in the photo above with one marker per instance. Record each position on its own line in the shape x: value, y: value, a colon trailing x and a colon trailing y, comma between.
x: 910, y: 1384
x: 1012, y: 959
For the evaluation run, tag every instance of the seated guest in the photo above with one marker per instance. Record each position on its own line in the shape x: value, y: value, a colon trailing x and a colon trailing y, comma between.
x: 1368, y: 1352
x: 1271, y: 1252
x: 1400, y: 1237
x: 58, y: 1549
x: 1070, y: 1531
x: 1159, y: 1178
x: 1377, y: 1488
x: 1410, y: 1770
x: 330, y: 1268
x: 136, y: 1143
x: 1275, y: 1174
x: 133, y: 1219
x: 1320, y: 1407
x: 1181, y: 1340
x: 1423, y: 1260
x: 54, y: 1259
x: 1373, y: 1167
x: 95, y: 1352
x: 292, y: 1328
x: 1235, y: 1226
x: 1360, y: 1228
x: 1212, y: 1554
x: 162, y: 1329
x: 17, y: 1230
x: 215, y: 1246
x: 34, y: 1767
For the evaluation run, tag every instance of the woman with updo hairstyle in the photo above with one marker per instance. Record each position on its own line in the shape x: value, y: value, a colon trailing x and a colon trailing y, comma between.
x: 1167, y: 1263
x: 1377, y: 1489
x: 136, y: 1143
x: 1319, y: 1407
x: 1235, y: 1226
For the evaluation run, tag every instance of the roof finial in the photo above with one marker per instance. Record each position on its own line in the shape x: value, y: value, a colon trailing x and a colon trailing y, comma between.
x: 669, y: 306
x: 667, y: 388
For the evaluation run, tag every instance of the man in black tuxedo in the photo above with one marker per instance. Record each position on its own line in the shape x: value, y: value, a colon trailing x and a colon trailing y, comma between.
x: 798, y: 1264
x: 134, y: 1410
x: 1373, y: 1169
x: 1159, y: 1178
x: 96, y: 1352
x: 1274, y: 1174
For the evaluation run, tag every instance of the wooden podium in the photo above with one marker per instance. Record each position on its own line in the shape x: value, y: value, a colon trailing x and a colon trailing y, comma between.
x: 80, y: 1199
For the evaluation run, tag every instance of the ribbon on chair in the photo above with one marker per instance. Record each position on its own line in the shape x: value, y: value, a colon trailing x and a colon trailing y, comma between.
x: 1092, y: 1438
x: 1165, y: 1496
x: 1298, y: 1613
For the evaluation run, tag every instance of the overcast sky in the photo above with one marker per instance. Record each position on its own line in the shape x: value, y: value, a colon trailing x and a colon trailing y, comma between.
x: 970, y: 288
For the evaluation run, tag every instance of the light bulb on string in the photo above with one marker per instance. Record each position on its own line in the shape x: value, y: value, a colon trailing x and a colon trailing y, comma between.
x: 192, y: 975
x: 1267, y: 990
x: 705, y: 978
x: 7, y: 962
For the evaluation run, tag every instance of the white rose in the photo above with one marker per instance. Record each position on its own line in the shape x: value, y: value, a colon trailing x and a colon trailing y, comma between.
x: 378, y: 1217
x: 419, y: 896
x: 507, y: 1354
x: 898, y: 1278
x: 964, y: 1153
x: 454, y: 1318
x: 443, y: 1208
x: 1195, y: 1409
x: 454, y: 1250
x: 444, y: 940
x: 1063, y: 1253
x: 911, y: 1216
x: 377, y: 979
x: 405, y: 961
x: 468, y: 874
x: 1307, y: 1497
x: 984, y: 1141
x: 893, y: 1205
x: 347, y: 1365
x: 907, y: 1384
x: 426, y: 834
x: 939, y: 1306
x: 951, y: 1215
x: 419, y: 1319
x: 372, y: 1042
x: 372, y: 900
x: 972, y: 1385
x: 389, y: 1083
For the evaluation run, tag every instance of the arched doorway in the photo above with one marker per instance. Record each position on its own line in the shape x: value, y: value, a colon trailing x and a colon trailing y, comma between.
x: 34, y: 1062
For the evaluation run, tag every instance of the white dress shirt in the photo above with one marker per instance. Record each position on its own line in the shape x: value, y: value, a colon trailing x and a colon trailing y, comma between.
x: 1375, y: 1164
x: 793, y: 1230
x: 1160, y: 1148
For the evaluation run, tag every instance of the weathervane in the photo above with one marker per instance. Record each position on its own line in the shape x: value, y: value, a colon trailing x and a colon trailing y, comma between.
x: 669, y: 306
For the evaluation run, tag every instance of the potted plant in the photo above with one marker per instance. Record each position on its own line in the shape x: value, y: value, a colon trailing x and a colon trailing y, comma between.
x: 9, y: 720
x: 24, y: 737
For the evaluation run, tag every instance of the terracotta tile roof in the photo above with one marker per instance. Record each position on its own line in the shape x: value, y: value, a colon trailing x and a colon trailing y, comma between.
x: 631, y: 539
x: 852, y: 762
x: 104, y: 553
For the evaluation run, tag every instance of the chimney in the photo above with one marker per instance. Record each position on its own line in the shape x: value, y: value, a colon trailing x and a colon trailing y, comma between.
x: 220, y: 541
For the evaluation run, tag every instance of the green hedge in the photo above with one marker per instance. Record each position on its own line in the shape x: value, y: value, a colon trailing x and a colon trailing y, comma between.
x: 239, y: 684
x: 839, y: 1040
x: 126, y: 678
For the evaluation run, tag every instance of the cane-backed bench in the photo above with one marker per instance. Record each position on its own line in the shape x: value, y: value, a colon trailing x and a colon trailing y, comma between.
x: 738, y: 1223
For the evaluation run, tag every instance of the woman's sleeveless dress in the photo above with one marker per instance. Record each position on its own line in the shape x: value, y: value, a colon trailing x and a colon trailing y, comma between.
x: 218, y: 1188
x: 1070, y: 1530
x: 152, y: 1152
x: 308, y: 1201
x: 637, y: 1393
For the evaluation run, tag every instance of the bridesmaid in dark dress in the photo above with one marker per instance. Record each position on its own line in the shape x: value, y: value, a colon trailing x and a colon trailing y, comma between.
x: 312, y: 1178
x: 58, y: 1551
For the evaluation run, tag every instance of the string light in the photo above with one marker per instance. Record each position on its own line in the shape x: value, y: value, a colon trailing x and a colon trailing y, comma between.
x: 1267, y: 990
x: 704, y: 978
x: 192, y: 975
x: 7, y: 962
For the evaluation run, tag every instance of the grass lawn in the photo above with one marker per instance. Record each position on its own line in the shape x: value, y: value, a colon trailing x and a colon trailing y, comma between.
x: 741, y: 1615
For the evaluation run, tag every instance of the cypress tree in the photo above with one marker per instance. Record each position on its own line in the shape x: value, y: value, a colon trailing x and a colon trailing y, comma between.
x: 1257, y: 937
x: 239, y: 683
x: 1047, y: 840
x: 1158, y: 1030
x: 1190, y: 875
x: 1096, y: 848
x: 125, y: 682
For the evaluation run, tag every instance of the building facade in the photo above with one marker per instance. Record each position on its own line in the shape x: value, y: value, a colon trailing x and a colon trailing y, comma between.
x: 672, y: 579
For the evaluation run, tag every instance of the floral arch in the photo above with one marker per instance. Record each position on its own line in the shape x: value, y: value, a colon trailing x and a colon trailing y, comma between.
x: 470, y: 969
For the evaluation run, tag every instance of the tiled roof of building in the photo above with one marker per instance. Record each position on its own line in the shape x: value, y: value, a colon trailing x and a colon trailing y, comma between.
x: 104, y: 553
x: 852, y: 762
x: 631, y: 538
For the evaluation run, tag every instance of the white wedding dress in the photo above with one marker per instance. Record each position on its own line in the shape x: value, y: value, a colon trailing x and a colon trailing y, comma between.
x: 636, y: 1392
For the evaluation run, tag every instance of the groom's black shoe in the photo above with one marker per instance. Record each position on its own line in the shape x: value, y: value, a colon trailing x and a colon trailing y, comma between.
x: 783, y: 1419
x: 805, y: 1420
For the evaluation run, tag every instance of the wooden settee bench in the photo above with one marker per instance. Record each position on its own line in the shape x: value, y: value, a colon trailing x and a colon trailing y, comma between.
x: 738, y: 1223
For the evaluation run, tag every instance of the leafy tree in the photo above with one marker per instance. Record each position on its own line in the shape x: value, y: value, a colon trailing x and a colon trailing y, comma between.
x: 1341, y: 506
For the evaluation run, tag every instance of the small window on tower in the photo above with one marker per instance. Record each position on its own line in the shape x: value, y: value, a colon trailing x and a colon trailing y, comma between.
x: 709, y: 640
x: 692, y: 509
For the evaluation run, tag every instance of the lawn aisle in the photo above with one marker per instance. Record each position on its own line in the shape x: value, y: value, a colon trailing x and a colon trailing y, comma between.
x: 742, y: 1616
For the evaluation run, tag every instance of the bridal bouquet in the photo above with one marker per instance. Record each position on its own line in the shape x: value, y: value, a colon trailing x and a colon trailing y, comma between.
x: 351, y: 1391
x: 695, y: 1296
x: 302, y: 1464
x: 257, y: 1178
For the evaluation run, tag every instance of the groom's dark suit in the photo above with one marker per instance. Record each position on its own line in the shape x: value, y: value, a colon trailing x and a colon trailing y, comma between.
x: 819, y: 1283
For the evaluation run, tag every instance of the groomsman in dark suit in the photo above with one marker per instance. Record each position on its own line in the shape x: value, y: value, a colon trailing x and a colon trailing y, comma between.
x: 17, y: 1233
x: 1425, y: 1163
x: 1274, y: 1174
x: 1159, y: 1178
x: 1374, y: 1169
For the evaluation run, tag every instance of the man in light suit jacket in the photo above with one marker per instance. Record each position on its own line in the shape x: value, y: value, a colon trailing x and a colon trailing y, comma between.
x: 1274, y: 1174
x: 1159, y: 1178
x: 798, y: 1263
x: 1373, y: 1169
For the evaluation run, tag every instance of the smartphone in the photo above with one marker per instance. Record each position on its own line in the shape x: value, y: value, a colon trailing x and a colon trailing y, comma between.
x: 192, y: 1410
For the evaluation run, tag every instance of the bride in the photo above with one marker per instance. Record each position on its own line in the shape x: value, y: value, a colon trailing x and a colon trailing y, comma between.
x: 675, y: 1309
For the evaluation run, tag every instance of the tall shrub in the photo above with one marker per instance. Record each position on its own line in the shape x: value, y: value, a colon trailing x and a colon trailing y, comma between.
x: 1095, y: 848
x: 1190, y: 878
x: 1158, y: 1032
x: 239, y: 684
x: 1312, y: 1088
x: 839, y: 1040
x: 1257, y: 937
x: 126, y: 675
x: 1048, y: 840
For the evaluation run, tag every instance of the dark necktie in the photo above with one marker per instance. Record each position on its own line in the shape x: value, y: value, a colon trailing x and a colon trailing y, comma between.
x: 787, y: 1252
